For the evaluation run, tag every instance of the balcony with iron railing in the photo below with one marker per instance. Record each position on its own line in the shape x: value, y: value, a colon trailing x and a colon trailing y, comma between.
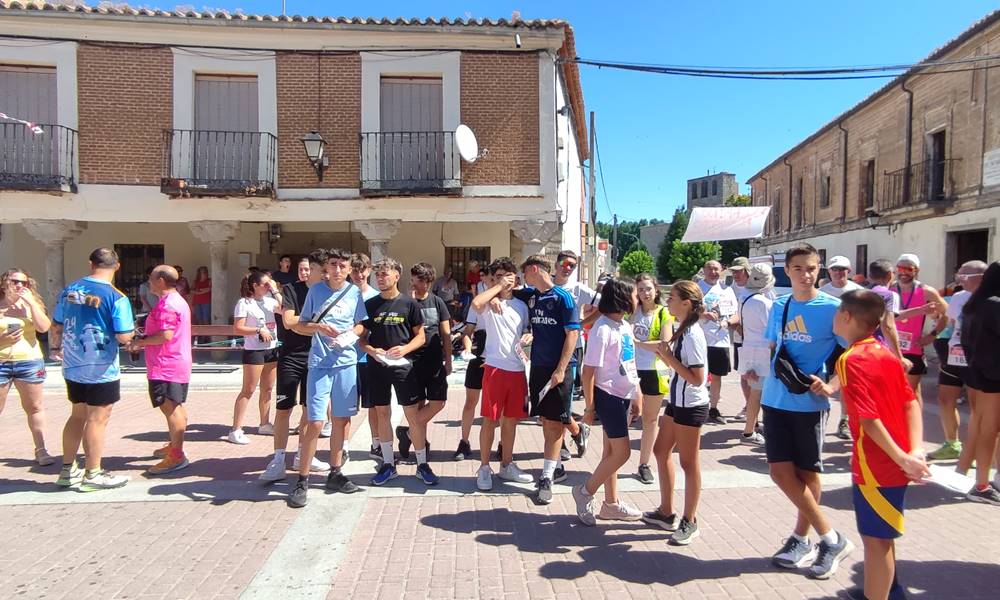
x: 218, y: 163
x: 410, y: 162
x: 43, y: 161
x: 929, y: 181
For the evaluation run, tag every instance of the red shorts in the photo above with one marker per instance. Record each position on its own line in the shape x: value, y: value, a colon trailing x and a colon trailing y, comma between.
x: 504, y: 394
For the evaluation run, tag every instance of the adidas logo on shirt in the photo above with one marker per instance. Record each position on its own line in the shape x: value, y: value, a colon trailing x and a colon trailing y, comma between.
x: 795, y: 331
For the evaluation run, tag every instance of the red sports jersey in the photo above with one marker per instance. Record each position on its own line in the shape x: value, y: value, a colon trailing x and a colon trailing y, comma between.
x: 875, y: 387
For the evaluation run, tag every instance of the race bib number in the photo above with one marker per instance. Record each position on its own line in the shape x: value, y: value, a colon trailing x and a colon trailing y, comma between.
x: 905, y: 341
x: 631, y: 372
x: 956, y: 356
x: 727, y: 307
x: 521, y: 354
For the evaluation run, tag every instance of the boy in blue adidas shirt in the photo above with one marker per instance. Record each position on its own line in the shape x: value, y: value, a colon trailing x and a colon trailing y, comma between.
x: 802, y: 323
x: 92, y: 318
x: 555, y: 327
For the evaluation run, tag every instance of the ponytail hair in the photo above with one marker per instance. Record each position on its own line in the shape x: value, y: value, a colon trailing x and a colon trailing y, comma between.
x: 247, y: 283
x: 688, y: 290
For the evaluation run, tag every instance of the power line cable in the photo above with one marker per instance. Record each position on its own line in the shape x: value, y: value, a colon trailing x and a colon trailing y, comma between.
x: 600, y: 171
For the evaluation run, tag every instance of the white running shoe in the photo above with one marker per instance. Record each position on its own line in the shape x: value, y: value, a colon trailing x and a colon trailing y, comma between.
x: 622, y: 511
x: 585, y: 506
x: 237, y: 436
x: 754, y: 439
x: 327, y: 430
x: 102, y: 480
x: 275, y: 470
x: 265, y: 429
x: 316, y: 466
x: 484, y: 479
x: 513, y: 473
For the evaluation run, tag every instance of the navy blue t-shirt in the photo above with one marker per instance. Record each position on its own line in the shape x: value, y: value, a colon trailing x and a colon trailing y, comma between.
x: 552, y: 314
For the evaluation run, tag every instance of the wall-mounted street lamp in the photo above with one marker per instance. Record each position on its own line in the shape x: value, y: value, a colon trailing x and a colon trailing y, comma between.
x: 874, y: 220
x: 315, y: 146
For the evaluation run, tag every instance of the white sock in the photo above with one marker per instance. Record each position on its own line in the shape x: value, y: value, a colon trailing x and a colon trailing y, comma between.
x: 548, y: 468
x: 421, y: 456
x: 375, y: 443
x: 830, y: 537
x: 387, y: 455
x: 800, y: 538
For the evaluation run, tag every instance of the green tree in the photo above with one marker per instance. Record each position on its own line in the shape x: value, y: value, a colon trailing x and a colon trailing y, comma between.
x: 675, y: 232
x: 733, y: 248
x: 635, y: 262
x: 628, y: 235
x: 686, y: 259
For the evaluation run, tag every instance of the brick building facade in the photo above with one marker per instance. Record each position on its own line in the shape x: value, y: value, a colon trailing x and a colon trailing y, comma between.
x: 177, y: 137
x: 905, y: 170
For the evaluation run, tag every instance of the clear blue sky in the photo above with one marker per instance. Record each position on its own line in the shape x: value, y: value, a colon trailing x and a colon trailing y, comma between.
x: 657, y: 131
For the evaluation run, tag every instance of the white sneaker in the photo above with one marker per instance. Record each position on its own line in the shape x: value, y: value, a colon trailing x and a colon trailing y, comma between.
x: 754, y: 439
x: 623, y: 511
x: 316, y: 466
x: 513, y: 473
x: 265, y: 429
x: 275, y: 470
x: 237, y: 436
x: 102, y: 480
x: 327, y: 430
x: 484, y: 479
x: 585, y: 506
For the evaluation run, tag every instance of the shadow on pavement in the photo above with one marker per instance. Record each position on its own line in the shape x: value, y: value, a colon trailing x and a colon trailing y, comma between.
x: 196, y: 432
x: 755, y: 463
x: 938, y: 579
x: 917, y: 497
x: 223, y: 492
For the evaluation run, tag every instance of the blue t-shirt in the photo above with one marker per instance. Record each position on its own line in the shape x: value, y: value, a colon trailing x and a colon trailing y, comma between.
x: 809, y: 340
x: 553, y: 313
x: 91, y: 312
x: 348, y: 312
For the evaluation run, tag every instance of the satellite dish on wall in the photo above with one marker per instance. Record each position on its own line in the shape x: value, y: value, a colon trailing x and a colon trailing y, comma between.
x: 468, y: 147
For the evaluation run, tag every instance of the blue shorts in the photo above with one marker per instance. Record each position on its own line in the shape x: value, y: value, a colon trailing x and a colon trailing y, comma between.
x: 613, y: 412
x: 28, y: 371
x: 338, y: 385
x: 879, y: 510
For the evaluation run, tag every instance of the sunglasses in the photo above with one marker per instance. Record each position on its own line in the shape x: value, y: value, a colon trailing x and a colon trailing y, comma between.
x: 905, y: 268
x: 568, y: 264
x: 18, y: 281
x: 967, y: 276
x: 845, y: 269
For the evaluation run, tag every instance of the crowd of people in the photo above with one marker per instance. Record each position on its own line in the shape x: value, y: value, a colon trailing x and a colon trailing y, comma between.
x: 326, y: 339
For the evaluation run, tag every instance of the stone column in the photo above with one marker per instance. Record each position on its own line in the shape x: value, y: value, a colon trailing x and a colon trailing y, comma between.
x: 534, y: 235
x: 378, y: 232
x: 54, y: 233
x: 217, y: 235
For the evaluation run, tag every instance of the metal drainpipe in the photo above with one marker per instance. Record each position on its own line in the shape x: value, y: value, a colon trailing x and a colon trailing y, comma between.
x: 907, y: 143
x: 790, y: 194
x: 767, y: 194
x: 843, y: 176
x: 982, y: 151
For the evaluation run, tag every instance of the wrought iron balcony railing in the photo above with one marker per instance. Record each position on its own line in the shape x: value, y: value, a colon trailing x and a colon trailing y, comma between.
x: 44, y: 161
x: 410, y: 162
x: 218, y: 163
x: 930, y: 181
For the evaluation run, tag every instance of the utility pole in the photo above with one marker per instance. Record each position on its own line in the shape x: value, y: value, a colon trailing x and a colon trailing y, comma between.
x: 592, y: 220
x: 614, y: 243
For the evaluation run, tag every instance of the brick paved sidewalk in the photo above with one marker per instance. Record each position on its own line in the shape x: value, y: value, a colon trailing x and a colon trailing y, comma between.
x: 213, y: 531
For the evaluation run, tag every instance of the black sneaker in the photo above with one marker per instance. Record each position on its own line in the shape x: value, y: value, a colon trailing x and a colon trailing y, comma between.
x: 426, y: 474
x: 655, y: 517
x: 298, y: 499
x: 580, y: 439
x: 338, y: 482
x: 375, y: 452
x: 464, y: 451
x: 559, y: 475
x: 828, y: 557
x: 564, y: 452
x: 794, y: 554
x: 403, y: 435
x: 715, y: 417
x: 500, y: 452
x: 686, y: 532
x: 843, y: 431
x: 645, y: 474
x: 544, y: 491
x: 991, y: 495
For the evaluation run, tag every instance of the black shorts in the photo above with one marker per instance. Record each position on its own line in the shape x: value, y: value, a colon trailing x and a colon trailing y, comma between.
x: 718, y: 361
x: 689, y: 416
x: 795, y: 437
x: 260, y: 357
x: 159, y: 391
x: 382, y: 380
x: 977, y: 380
x: 94, y: 394
x: 649, y: 383
x: 474, y: 374
x: 557, y: 403
x: 431, y: 381
x: 363, y: 384
x: 831, y: 363
x: 293, y: 371
x: 613, y: 412
x: 736, y: 355
x: 919, y: 366
x: 952, y: 375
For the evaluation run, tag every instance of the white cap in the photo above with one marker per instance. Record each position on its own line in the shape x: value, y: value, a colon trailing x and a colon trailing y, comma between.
x: 913, y: 259
x: 841, y: 262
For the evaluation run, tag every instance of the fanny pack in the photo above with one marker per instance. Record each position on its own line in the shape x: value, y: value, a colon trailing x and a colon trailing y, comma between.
x: 795, y: 379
